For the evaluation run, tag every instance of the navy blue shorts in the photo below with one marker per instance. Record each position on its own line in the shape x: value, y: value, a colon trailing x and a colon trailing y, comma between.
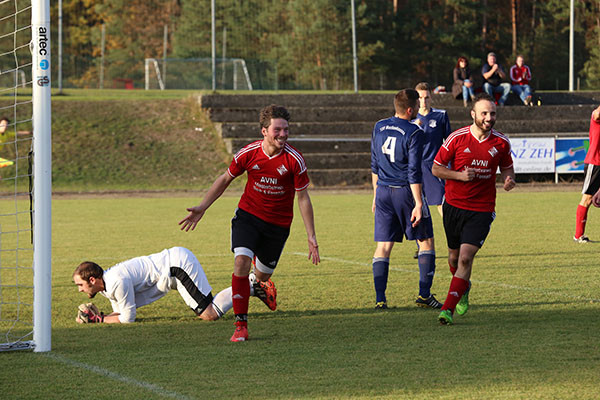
x: 393, y: 209
x: 466, y: 226
x: 433, y: 187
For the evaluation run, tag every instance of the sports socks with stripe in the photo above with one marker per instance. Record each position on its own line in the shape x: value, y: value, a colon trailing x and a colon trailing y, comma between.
x: 426, y: 272
x: 240, y: 286
x: 580, y: 221
x: 458, y: 287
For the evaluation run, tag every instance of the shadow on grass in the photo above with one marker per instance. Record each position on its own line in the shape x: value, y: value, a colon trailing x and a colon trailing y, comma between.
x: 343, y: 353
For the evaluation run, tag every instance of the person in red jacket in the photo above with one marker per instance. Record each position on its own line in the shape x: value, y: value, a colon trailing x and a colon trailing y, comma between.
x: 520, y: 75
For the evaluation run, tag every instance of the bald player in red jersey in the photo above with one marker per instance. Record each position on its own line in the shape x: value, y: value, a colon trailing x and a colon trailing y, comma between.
x: 591, y: 182
x: 468, y: 161
x: 261, y: 225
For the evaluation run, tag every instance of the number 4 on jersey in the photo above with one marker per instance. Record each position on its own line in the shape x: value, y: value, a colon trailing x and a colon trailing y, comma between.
x: 389, y: 148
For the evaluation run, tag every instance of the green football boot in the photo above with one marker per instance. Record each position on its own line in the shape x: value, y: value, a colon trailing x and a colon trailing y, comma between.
x: 445, y: 317
x: 463, y: 305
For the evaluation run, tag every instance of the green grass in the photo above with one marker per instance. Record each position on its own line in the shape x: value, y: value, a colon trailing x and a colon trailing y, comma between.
x: 531, y: 332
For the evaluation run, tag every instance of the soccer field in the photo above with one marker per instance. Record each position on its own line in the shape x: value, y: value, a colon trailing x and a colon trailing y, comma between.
x: 531, y: 333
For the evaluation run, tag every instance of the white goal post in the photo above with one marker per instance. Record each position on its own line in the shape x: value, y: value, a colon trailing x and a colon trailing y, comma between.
x: 42, y: 175
x: 25, y: 240
x: 194, y: 73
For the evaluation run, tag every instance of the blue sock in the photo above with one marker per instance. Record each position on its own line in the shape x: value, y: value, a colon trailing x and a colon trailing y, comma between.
x: 426, y: 272
x: 381, y: 268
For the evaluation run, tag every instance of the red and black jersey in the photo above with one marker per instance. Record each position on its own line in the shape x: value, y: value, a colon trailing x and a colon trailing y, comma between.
x: 462, y: 150
x: 593, y: 153
x: 272, y: 182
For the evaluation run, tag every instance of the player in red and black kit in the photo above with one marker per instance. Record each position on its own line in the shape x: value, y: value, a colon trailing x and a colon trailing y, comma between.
x: 591, y: 183
x: 261, y: 225
x: 468, y: 161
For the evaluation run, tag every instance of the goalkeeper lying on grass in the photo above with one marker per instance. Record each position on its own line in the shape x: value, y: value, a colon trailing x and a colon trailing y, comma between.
x: 134, y: 283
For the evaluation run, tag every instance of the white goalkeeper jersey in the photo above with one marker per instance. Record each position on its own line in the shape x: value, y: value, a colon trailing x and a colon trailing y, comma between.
x: 140, y: 281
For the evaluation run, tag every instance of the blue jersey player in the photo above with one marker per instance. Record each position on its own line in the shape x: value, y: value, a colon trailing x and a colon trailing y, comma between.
x: 436, y: 127
x: 399, y: 206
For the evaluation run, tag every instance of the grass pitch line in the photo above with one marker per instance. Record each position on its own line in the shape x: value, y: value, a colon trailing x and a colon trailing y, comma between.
x: 117, y: 377
x: 498, y: 284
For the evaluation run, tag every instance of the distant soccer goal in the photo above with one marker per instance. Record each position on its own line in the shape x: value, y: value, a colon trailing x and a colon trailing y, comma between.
x: 196, y: 73
x: 25, y: 175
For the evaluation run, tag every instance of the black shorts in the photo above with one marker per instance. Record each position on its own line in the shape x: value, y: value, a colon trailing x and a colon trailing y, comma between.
x: 264, y: 239
x: 591, y: 182
x: 465, y: 226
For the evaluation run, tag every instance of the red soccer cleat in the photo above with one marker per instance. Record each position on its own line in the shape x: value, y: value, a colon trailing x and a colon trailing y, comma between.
x: 240, y: 334
x: 267, y: 292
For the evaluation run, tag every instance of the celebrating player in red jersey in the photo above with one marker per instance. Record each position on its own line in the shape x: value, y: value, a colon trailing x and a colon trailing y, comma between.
x: 468, y: 160
x: 261, y: 225
x: 591, y: 183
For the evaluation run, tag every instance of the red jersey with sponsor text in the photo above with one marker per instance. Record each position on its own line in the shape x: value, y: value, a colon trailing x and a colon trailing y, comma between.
x: 272, y: 182
x: 462, y: 150
x: 593, y: 153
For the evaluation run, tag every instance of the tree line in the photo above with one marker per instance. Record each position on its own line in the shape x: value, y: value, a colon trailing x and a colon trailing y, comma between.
x: 306, y: 44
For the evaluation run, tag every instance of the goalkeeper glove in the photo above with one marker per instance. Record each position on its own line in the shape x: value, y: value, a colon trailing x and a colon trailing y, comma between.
x: 89, y: 314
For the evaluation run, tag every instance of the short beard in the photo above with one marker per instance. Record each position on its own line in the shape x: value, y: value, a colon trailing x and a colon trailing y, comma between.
x: 479, y: 124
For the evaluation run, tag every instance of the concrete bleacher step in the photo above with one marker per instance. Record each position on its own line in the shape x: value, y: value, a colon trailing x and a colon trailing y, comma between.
x: 362, y: 129
x: 300, y: 114
x: 251, y: 100
x: 340, y: 177
x: 331, y: 145
x: 442, y: 100
x: 333, y: 131
x: 298, y: 129
x: 373, y: 114
x: 337, y: 160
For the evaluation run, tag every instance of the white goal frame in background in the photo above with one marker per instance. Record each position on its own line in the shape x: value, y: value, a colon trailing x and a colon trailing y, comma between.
x: 41, y: 192
x: 152, y: 69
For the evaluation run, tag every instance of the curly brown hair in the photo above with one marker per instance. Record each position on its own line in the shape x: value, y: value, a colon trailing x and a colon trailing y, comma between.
x: 272, y: 111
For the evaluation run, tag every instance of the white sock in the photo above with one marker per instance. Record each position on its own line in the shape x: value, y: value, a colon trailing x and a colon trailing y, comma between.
x: 223, y: 302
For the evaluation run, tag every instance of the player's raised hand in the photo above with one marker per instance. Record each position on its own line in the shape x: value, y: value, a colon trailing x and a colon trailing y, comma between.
x: 190, y: 222
x: 509, y: 183
x: 313, y: 251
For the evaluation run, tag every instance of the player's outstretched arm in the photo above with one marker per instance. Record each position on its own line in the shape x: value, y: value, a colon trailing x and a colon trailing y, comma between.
x: 215, y: 191
x: 508, y: 177
x: 112, y: 318
x: 306, y: 210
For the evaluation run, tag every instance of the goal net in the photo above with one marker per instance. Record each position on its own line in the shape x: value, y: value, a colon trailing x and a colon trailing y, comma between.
x: 25, y: 150
x: 196, y: 73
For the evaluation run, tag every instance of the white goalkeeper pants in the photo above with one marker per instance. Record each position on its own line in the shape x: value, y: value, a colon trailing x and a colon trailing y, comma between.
x: 188, y: 277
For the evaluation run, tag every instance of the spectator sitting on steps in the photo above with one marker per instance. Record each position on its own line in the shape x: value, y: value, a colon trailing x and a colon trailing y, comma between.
x: 493, y: 75
x: 520, y: 75
x: 463, y: 81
